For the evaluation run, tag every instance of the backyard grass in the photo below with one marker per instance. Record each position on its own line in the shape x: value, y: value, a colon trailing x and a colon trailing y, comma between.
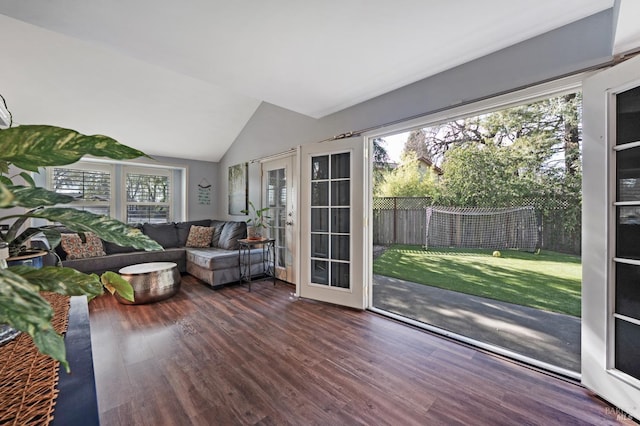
x: 549, y: 281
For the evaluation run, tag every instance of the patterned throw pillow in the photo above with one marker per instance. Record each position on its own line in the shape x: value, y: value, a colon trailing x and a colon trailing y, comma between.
x: 199, y: 236
x: 75, y: 248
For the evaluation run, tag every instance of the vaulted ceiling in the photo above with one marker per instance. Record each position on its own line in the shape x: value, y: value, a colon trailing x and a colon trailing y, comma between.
x: 181, y: 79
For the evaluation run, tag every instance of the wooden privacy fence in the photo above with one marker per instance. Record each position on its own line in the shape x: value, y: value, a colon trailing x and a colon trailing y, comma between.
x: 402, y: 220
x: 399, y: 220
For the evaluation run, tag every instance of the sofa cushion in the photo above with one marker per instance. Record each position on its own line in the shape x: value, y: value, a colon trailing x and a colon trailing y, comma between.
x: 199, y: 236
x: 231, y: 233
x: 113, y: 248
x: 114, y: 262
x: 212, y: 258
x: 183, y: 229
x: 164, y: 234
x: 217, y: 226
x: 77, y: 247
x: 215, y: 259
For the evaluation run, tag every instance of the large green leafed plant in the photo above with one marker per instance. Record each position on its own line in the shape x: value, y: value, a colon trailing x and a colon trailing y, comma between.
x: 31, y: 147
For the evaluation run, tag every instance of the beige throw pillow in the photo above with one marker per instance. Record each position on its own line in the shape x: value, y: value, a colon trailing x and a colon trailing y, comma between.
x: 199, y: 236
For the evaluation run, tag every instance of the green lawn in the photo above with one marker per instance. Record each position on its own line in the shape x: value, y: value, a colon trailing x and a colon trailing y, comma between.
x: 548, y: 280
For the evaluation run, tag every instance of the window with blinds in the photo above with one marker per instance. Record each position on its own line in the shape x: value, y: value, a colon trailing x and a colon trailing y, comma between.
x: 132, y: 194
x: 90, y: 188
x: 148, y: 196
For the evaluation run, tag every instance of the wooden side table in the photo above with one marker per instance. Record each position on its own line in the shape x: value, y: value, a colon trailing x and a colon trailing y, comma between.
x: 267, y: 258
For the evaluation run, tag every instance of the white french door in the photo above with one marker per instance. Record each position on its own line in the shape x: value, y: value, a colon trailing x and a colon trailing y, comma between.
x: 332, y: 222
x: 611, y: 236
x: 279, y: 190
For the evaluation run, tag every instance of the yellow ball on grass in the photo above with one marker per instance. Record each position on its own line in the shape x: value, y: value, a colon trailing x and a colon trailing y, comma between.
x: 497, y: 254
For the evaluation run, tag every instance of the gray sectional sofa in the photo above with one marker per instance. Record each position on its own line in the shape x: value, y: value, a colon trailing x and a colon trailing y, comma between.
x: 216, y: 265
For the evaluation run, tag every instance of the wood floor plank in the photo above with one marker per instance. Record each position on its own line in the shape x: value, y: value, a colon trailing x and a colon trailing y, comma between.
x: 264, y: 357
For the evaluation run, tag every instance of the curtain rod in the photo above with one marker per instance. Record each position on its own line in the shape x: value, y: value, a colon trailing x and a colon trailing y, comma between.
x: 273, y: 156
x: 613, y: 61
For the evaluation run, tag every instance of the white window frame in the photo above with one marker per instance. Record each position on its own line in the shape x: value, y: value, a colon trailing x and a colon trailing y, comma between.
x: 89, y: 166
x: 151, y: 171
x: 178, y: 178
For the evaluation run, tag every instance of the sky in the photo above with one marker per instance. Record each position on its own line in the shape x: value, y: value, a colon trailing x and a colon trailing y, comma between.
x: 395, y: 145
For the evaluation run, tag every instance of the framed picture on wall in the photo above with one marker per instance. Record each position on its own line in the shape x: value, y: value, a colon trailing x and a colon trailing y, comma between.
x: 238, y: 188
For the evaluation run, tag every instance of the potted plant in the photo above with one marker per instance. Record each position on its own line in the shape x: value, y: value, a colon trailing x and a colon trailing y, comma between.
x: 257, y: 222
x: 29, y: 148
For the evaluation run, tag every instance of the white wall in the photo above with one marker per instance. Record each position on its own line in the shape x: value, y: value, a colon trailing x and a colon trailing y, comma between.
x: 197, y: 171
x: 271, y: 130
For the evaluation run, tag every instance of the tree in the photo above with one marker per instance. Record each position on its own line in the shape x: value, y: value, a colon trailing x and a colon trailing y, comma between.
x: 484, y: 175
x: 528, y: 154
x: 540, y: 140
x: 571, y: 112
x: 380, y: 161
x: 380, y: 154
x: 554, y: 122
x: 407, y: 180
x: 416, y: 145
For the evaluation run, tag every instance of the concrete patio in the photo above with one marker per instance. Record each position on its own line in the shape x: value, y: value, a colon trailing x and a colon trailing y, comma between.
x: 545, y: 336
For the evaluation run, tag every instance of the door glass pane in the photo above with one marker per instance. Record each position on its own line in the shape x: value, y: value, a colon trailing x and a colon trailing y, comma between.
x: 340, y: 193
x: 280, y: 257
x: 629, y: 189
x: 281, y: 254
x: 340, y: 247
x: 271, y: 189
x: 319, y: 220
x: 628, y: 232
x: 340, y: 166
x: 628, y: 116
x: 320, y: 194
x: 628, y: 170
x: 320, y: 245
x: 340, y: 220
x: 279, y: 218
x: 282, y: 184
x: 319, y: 272
x: 340, y: 275
x: 627, y: 347
x: 628, y: 290
x: 320, y: 167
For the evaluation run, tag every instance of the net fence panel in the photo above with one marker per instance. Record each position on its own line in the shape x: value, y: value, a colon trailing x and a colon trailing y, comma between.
x: 402, y: 220
x: 490, y: 228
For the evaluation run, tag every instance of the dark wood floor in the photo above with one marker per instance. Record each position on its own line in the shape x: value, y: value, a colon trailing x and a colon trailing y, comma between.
x: 232, y: 357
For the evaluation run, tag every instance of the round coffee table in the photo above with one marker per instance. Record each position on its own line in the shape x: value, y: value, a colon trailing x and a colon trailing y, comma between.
x: 151, y: 282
